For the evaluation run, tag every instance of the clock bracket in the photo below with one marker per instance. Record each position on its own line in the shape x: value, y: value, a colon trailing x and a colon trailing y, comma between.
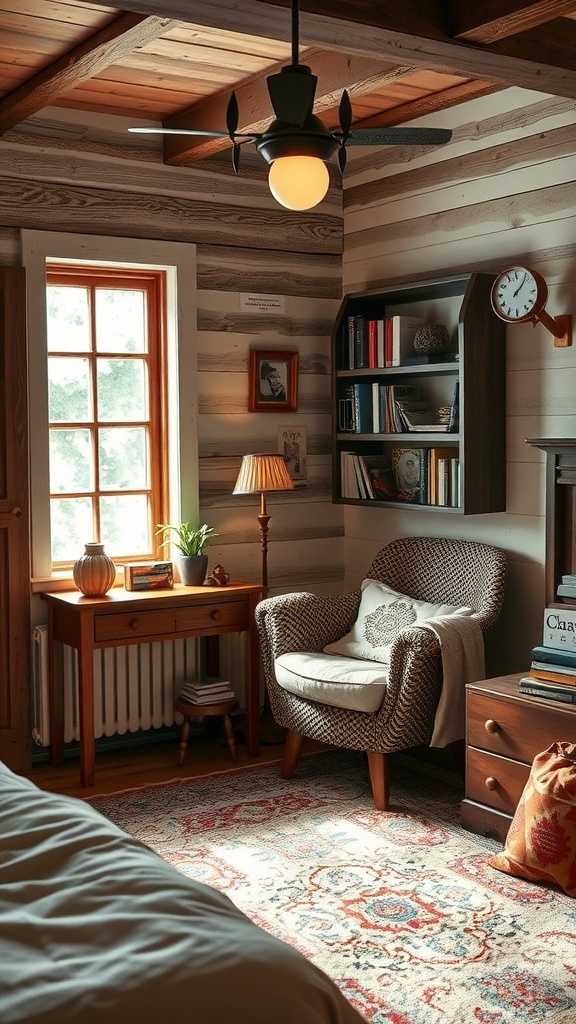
x: 559, y: 326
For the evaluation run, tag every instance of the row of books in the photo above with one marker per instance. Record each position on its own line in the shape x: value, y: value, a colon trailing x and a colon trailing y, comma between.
x: 423, y: 476
x: 366, y: 407
x: 553, y: 668
x: 378, y: 343
x: 206, y: 693
x: 568, y: 586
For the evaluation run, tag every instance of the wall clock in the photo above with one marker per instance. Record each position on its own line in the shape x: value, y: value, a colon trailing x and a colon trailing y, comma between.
x: 520, y: 294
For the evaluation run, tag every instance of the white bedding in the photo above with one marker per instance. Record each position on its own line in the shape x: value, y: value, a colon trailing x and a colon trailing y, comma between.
x: 95, y: 927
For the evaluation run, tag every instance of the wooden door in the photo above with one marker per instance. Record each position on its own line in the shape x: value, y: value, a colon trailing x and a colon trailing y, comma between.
x: 15, y: 728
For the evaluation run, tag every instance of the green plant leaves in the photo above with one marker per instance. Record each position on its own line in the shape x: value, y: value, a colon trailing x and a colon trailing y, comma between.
x: 190, y: 540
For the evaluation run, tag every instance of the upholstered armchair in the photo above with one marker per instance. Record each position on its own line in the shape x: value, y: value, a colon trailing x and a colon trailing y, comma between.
x: 439, y: 570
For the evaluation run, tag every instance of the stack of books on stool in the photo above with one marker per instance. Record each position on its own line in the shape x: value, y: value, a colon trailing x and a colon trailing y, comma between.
x: 552, y: 675
x: 217, y: 692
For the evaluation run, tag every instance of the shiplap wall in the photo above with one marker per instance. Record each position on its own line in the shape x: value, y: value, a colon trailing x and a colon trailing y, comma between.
x: 503, y: 190
x: 85, y: 174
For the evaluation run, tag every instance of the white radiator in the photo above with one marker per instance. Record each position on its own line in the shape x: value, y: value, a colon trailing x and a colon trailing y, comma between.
x: 134, y: 687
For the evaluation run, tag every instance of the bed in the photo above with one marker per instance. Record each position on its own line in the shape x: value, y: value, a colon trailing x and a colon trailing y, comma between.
x: 95, y: 927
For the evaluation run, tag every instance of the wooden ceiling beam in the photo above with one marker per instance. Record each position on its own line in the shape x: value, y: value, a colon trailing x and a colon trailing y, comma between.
x: 369, y: 29
x: 335, y: 72
x: 488, y: 21
x: 109, y: 45
x: 422, y: 105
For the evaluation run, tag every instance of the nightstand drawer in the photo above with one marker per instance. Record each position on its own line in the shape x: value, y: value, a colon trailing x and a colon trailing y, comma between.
x: 514, y: 728
x: 231, y: 615
x: 495, y: 781
x: 131, y: 624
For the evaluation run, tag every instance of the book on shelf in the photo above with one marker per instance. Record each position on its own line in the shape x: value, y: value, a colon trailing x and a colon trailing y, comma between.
x: 545, y: 676
x: 206, y: 693
x: 377, y: 342
x: 423, y: 476
x: 567, y: 590
x: 444, y: 477
x: 549, y: 655
x: 355, y: 479
x: 569, y: 579
x: 535, y: 688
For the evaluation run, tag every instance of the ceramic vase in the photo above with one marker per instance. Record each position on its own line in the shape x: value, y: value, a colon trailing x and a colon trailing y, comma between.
x: 193, y: 569
x: 94, y: 572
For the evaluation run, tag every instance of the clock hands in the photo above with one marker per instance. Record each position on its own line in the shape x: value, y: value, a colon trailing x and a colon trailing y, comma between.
x: 519, y: 286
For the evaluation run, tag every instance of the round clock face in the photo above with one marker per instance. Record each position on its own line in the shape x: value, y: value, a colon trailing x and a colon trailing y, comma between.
x: 516, y: 294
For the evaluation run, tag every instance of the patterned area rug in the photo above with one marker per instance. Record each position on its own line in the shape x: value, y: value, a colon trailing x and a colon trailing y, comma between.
x: 399, y: 909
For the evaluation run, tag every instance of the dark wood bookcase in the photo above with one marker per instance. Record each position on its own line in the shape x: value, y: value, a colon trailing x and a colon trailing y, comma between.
x: 479, y: 368
x: 560, y: 513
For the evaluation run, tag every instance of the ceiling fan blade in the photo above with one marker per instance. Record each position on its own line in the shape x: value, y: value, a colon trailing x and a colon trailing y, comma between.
x: 236, y: 157
x: 345, y: 113
x: 399, y: 136
x: 232, y: 114
x: 178, y: 131
x: 342, y: 159
x: 292, y: 93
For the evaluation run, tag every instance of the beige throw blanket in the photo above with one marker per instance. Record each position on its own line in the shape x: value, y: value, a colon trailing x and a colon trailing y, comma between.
x: 462, y: 646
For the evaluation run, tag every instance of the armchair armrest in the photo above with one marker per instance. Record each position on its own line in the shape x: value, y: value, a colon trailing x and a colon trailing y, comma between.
x: 304, y: 622
x: 414, y: 681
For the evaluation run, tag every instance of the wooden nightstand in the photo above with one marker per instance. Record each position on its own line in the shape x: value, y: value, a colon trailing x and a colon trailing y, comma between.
x: 505, y: 729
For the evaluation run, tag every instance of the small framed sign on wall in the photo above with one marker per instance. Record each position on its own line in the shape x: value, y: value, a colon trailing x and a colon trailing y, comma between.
x: 292, y: 444
x: 273, y: 381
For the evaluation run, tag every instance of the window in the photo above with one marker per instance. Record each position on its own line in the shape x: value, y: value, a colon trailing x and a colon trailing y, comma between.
x: 106, y: 410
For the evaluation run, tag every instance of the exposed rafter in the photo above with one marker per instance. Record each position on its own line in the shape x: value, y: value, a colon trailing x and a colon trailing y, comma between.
x: 110, y: 44
x: 370, y: 30
x: 440, y: 100
x: 335, y: 72
x: 487, y: 21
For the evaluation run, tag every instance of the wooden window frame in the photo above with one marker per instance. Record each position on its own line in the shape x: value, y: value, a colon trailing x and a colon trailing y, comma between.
x: 153, y: 283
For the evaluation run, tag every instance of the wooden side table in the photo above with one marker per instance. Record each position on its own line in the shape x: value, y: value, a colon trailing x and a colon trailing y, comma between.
x: 205, y: 711
x: 122, y: 618
x: 505, y: 729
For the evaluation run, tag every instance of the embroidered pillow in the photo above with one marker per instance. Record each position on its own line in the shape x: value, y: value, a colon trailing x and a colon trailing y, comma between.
x: 541, y: 841
x: 382, y: 615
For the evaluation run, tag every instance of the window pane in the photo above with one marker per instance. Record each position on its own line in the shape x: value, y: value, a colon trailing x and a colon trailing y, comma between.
x: 70, y: 398
x: 72, y: 527
x: 68, y: 319
x: 123, y: 453
x: 71, y: 461
x: 125, y: 524
x: 122, y: 387
x: 120, y: 320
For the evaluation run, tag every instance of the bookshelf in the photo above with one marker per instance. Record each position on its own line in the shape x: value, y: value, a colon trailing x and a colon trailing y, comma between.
x: 475, y: 362
x: 560, y: 514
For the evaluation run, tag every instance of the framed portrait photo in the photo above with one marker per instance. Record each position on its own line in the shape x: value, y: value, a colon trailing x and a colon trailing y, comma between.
x: 273, y: 384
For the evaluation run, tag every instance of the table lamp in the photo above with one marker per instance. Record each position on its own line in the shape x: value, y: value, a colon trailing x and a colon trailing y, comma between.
x: 260, y: 474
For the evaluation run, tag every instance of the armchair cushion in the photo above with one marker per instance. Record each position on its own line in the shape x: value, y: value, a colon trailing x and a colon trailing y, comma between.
x: 338, y: 682
x: 382, y: 616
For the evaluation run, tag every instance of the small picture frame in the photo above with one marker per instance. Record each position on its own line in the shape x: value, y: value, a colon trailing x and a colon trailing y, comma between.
x: 292, y: 445
x: 273, y: 381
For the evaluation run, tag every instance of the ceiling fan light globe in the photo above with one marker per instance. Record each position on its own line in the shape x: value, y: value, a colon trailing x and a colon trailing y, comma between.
x: 298, y: 182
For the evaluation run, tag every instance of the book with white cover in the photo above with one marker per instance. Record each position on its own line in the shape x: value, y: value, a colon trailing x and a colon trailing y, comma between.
x: 403, y: 331
x: 560, y: 629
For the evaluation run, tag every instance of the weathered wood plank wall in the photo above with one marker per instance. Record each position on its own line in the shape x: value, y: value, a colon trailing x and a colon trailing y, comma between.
x: 503, y: 190
x: 84, y: 173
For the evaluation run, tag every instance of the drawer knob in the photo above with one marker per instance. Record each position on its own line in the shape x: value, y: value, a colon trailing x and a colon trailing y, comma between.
x: 215, y: 614
x: 133, y: 623
x: 491, y: 782
x: 491, y: 726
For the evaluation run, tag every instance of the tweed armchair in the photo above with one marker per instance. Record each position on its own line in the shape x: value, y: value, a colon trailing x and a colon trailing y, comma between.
x: 431, y: 569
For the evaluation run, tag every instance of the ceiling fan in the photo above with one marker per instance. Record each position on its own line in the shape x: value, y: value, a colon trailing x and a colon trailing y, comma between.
x: 296, y: 143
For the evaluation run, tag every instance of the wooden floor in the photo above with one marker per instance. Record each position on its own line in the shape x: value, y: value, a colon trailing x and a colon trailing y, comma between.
x: 142, y: 766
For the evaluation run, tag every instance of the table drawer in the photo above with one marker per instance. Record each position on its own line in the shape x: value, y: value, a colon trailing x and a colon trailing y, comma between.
x: 131, y: 624
x: 514, y: 728
x: 231, y: 615
x: 495, y: 781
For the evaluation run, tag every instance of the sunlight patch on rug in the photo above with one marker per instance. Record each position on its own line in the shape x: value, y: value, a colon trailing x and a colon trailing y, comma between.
x: 398, y: 908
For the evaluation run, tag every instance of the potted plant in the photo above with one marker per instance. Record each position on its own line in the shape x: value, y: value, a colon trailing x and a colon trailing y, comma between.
x: 190, y: 541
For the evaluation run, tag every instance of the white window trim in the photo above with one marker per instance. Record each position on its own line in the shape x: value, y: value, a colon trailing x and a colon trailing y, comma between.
x: 178, y: 260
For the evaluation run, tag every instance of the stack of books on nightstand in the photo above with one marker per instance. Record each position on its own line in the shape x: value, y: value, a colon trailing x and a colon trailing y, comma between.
x: 206, y: 693
x: 553, y: 670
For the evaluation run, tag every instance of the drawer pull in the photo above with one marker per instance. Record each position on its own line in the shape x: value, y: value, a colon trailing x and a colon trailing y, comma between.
x: 133, y: 623
x: 491, y: 782
x: 215, y: 614
x: 491, y: 726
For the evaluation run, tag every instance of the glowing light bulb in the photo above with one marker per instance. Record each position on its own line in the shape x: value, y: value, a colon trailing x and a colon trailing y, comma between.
x: 298, y: 182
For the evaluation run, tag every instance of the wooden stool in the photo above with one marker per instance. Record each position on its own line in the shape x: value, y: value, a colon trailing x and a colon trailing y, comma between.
x: 205, y: 711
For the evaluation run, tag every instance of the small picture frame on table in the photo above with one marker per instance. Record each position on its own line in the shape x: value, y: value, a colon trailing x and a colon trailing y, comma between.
x: 273, y: 381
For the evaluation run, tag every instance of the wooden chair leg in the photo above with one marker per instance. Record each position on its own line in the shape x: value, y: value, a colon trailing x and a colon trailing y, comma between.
x: 379, y: 777
x: 184, y: 734
x: 230, y: 739
x: 292, y: 749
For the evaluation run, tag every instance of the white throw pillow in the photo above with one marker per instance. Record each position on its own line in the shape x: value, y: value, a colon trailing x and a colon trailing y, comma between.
x: 383, y: 614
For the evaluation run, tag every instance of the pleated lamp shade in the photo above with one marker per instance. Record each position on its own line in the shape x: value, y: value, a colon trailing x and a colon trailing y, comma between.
x: 261, y: 473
